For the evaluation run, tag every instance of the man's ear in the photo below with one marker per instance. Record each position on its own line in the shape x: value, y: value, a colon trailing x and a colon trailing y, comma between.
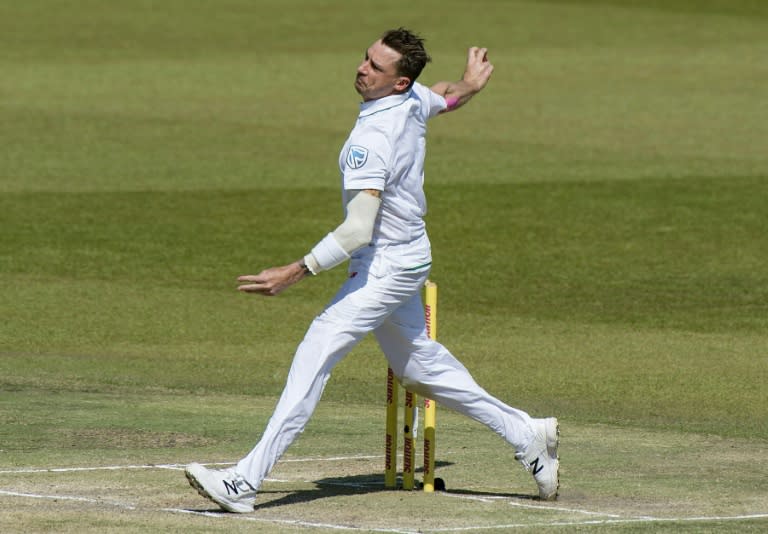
x: 402, y: 83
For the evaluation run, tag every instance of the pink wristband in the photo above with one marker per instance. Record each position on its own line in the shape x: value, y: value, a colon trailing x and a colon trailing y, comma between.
x: 451, y: 102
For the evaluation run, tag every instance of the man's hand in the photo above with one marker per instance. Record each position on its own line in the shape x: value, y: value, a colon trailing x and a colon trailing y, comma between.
x: 478, y: 70
x: 274, y: 280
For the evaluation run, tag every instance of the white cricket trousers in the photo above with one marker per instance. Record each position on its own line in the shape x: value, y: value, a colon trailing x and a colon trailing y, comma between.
x: 390, y: 306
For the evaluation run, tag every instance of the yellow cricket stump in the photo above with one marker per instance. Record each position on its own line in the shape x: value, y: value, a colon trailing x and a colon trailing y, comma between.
x: 430, y: 412
x: 390, y: 472
x: 410, y: 418
x: 409, y: 450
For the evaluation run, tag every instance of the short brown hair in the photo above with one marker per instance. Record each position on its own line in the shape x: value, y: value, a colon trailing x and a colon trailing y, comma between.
x: 411, y: 48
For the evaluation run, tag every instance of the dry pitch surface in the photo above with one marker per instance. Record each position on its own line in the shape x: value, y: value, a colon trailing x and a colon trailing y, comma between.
x: 612, y: 479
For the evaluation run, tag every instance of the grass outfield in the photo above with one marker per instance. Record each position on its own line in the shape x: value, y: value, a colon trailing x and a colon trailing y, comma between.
x: 598, y: 220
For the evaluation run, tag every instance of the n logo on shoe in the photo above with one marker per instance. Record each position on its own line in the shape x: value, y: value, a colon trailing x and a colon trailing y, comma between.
x: 232, y: 486
x: 535, y: 467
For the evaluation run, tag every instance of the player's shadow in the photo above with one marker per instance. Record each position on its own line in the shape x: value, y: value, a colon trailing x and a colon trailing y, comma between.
x: 324, y: 488
x: 356, y: 485
x: 331, y: 487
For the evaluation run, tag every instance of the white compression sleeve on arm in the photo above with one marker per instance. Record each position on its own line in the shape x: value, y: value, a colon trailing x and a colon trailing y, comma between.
x: 356, y: 231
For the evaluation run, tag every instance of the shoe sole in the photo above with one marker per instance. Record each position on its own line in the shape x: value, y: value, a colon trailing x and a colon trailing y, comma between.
x: 201, y: 490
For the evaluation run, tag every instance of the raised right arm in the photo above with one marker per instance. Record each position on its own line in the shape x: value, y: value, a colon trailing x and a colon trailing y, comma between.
x: 476, y: 75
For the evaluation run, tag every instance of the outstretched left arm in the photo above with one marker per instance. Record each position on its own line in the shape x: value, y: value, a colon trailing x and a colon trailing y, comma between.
x: 355, y: 232
x: 476, y: 75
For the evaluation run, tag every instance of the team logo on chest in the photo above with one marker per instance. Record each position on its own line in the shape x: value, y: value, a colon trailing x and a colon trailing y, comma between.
x: 357, y: 156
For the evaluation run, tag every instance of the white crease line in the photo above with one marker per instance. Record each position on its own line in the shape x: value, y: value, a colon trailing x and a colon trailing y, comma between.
x: 562, y: 509
x: 510, y: 501
x: 66, y: 498
x: 176, y: 467
x: 334, y: 458
x: 85, y: 469
x: 173, y: 467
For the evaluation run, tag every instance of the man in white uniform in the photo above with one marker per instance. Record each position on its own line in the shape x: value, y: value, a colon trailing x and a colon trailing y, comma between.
x: 384, y: 238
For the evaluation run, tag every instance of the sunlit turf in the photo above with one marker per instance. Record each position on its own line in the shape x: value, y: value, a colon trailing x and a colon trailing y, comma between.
x: 597, y: 214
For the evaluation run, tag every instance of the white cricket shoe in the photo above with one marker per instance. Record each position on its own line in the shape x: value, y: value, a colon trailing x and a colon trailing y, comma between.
x: 230, y: 490
x: 540, y: 458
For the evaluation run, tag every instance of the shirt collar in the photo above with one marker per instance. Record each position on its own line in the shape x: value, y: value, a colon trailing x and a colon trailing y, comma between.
x: 384, y: 103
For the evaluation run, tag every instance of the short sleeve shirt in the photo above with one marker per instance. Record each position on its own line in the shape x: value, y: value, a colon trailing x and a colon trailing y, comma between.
x: 385, y: 151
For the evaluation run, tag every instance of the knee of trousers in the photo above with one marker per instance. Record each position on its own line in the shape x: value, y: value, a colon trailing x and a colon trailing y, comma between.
x: 440, y: 373
x: 417, y: 378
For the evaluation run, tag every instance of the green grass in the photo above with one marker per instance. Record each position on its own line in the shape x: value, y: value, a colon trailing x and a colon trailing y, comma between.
x: 598, y: 223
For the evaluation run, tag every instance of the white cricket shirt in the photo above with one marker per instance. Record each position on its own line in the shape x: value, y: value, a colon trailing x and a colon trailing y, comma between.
x: 385, y: 151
